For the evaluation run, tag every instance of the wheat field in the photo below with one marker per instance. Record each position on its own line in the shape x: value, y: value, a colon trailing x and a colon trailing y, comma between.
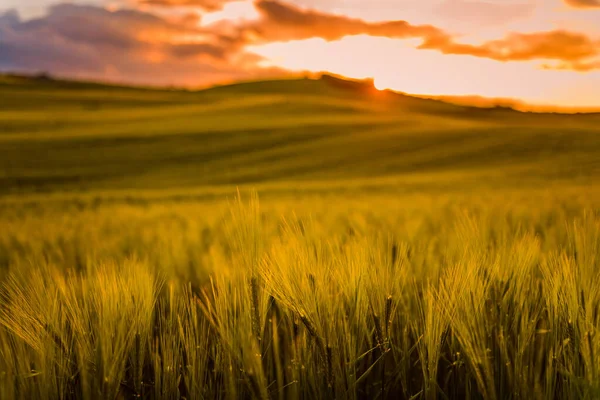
x: 235, y: 243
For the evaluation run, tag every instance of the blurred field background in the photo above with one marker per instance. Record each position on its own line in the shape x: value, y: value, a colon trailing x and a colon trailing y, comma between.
x: 294, y: 239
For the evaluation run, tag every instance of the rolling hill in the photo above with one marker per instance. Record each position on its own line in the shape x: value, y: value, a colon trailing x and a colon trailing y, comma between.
x: 58, y: 136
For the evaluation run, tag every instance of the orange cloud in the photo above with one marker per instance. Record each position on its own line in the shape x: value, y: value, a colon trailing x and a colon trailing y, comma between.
x: 577, y: 66
x: 284, y: 22
x: 583, y: 3
x: 552, y: 45
x: 208, y: 5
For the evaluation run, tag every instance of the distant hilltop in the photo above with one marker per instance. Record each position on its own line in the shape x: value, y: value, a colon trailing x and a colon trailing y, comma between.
x: 357, y: 86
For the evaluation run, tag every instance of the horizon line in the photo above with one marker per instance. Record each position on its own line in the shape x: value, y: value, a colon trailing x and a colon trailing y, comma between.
x: 467, y: 100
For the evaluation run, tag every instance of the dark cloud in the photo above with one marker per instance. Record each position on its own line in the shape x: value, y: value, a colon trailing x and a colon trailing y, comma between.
x: 195, y: 49
x: 124, y: 46
x: 583, y: 3
x: 10, y: 18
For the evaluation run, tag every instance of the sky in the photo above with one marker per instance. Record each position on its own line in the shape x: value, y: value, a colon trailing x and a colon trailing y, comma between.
x: 543, y: 52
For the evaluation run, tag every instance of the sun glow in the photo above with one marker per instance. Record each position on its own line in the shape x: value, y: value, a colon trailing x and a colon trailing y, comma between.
x: 398, y: 65
x: 379, y: 85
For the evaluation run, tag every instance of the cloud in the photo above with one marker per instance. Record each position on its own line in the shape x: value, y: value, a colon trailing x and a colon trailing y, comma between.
x: 551, y: 45
x: 577, y: 66
x: 9, y: 18
x: 284, y: 22
x: 208, y: 5
x: 124, y: 46
x: 583, y: 3
x: 139, y: 47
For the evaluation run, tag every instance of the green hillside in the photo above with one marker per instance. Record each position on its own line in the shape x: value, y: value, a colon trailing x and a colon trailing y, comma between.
x: 69, y: 136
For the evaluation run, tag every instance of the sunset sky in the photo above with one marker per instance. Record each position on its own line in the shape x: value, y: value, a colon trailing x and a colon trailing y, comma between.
x: 538, y: 51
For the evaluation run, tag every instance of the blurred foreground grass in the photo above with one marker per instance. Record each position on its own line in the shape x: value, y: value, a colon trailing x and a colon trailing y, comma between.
x: 402, y: 248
